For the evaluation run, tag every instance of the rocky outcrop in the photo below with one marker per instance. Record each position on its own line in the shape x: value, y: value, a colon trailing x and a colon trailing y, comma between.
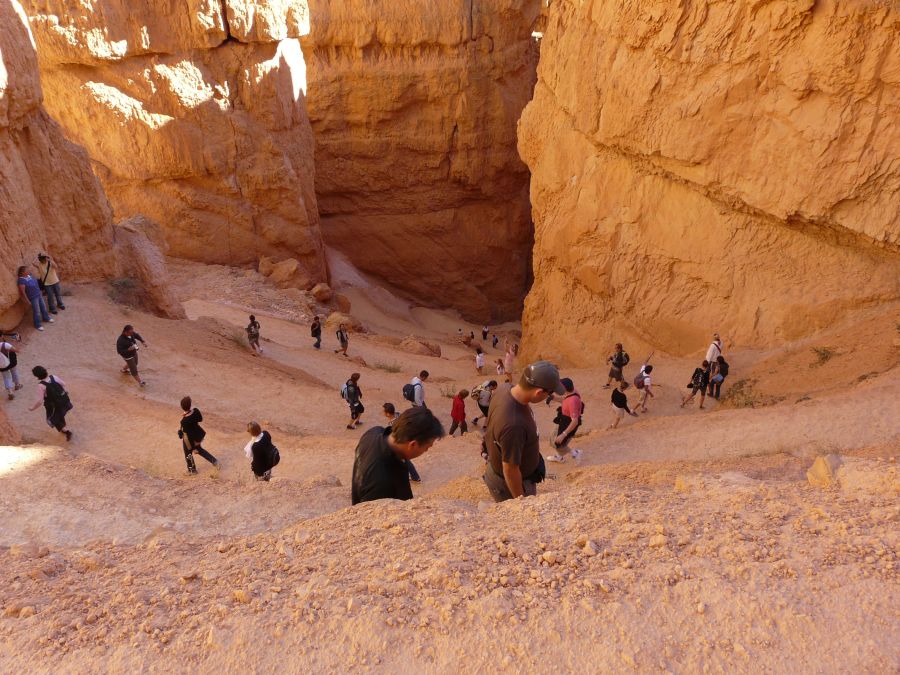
x: 50, y: 198
x: 414, y: 108
x: 193, y: 114
x: 697, y: 166
x: 140, y: 258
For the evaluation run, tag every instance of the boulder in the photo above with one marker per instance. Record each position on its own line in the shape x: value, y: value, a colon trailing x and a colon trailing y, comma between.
x: 351, y: 323
x: 322, y: 292
x: 138, y: 258
x: 288, y: 273
x: 341, y: 302
x: 420, y: 346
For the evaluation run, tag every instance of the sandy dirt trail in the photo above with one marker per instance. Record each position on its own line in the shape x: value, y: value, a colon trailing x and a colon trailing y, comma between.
x: 684, y: 540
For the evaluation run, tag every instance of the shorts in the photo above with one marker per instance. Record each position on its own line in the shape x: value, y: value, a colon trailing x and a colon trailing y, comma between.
x: 484, y: 409
x: 356, y: 409
x: 717, y: 378
x: 620, y: 412
x: 132, y: 363
x: 616, y: 374
x: 498, y: 488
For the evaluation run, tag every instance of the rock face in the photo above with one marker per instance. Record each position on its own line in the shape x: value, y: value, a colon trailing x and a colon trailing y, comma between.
x: 50, y: 199
x: 719, y: 166
x: 414, y: 108
x: 193, y: 114
x: 141, y: 259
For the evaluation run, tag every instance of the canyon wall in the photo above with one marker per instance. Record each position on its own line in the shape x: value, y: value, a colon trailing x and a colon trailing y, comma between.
x: 50, y: 199
x: 700, y: 166
x: 193, y: 114
x: 414, y: 108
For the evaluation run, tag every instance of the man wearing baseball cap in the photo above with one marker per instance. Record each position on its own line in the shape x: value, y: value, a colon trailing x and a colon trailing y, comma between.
x: 511, y: 443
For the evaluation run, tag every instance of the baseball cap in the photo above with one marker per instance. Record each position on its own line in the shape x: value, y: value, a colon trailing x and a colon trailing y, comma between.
x: 544, y: 375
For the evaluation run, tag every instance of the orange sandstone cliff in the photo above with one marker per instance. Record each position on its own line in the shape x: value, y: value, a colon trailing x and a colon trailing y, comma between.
x: 414, y: 108
x: 49, y: 198
x: 711, y: 166
x: 193, y: 114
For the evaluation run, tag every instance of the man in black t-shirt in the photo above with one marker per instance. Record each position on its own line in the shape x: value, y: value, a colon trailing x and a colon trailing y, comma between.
x: 127, y: 348
x: 511, y: 442
x: 379, y: 470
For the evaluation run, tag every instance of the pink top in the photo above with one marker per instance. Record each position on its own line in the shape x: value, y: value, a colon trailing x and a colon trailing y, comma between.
x: 571, y: 406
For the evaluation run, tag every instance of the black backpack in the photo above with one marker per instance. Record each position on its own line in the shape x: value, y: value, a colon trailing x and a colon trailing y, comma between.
x: 409, y: 392
x: 621, y: 360
x: 55, y: 397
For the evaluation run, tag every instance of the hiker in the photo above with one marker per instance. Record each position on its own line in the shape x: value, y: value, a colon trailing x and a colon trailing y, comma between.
x: 253, y: 335
x: 482, y: 395
x: 715, y: 349
x: 316, y: 331
x: 127, y: 348
x: 479, y: 360
x: 644, y: 385
x: 501, y: 370
x: 192, y: 435
x: 30, y: 292
x: 617, y: 361
x: 514, y: 462
x: 414, y: 392
x: 8, y: 362
x: 568, y: 421
x: 484, y: 333
x: 458, y: 413
x: 699, y: 382
x: 719, y: 373
x: 619, y: 402
x: 261, y: 452
x: 391, y: 414
x: 509, y: 360
x: 48, y: 280
x: 351, y: 393
x: 52, y: 393
x: 343, y: 339
x: 494, y: 341
x: 379, y: 468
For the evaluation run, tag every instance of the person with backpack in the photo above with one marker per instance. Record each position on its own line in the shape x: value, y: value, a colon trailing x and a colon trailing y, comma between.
x: 494, y: 341
x: 479, y: 360
x: 414, y: 392
x: 55, y: 399
x: 482, y: 395
x: 380, y: 469
x: 343, y: 340
x: 458, y: 413
x: 48, y: 280
x: 127, y: 348
x: 568, y: 421
x: 351, y: 393
x: 699, y: 382
x: 719, y: 373
x: 30, y: 291
x: 253, y: 335
x: 261, y: 452
x: 8, y: 362
x: 192, y: 434
x: 391, y: 415
x: 619, y: 402
x: 511, y: 443
x: 617, y: 361
x: 315, y: 330
x: 643, y: 383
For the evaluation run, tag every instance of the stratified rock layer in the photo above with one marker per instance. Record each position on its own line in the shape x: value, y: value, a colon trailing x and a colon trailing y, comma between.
x: 711, y: 166
x: 194, y: 115
x: 414, y: 107
x: 50, y: 198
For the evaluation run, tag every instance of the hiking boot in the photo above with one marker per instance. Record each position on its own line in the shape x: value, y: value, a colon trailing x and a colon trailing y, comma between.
x: 11, y: 396
x: 358, y: 422
x: 68, y: 435
x: 62, y: 306
x: 556, y: 458
x: 143, y: 383
x: 19, y: 386
x: 576, y: 455
x: 40, y: 328
x: 49, y: 320
x: 351, y: 426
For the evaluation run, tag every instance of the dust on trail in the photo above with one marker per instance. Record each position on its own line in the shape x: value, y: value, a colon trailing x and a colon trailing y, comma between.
x: 685, y: 540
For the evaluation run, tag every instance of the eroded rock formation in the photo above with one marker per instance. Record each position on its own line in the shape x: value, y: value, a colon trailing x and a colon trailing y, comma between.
x: 50, y: 198
x: 193, y: 114
x: 699, y: 166
x: 414, y: 108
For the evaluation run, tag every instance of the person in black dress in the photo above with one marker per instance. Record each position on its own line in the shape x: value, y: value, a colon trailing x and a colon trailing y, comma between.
x: 192, y: 435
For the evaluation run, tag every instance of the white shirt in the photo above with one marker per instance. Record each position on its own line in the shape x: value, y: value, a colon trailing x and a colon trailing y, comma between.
x: 419, y: 389
x: 479, y: 360
x: 248, y: 449
x: 646, y: 377
x: 4, y: 361
x: 715, y: 349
